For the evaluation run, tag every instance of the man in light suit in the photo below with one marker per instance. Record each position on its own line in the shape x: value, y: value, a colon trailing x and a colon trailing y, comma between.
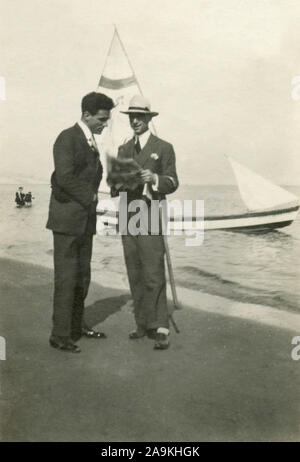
x: 72, y: 218
x: 144, y: 254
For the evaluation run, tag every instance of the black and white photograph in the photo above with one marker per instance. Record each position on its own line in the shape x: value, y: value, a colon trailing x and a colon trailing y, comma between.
x: 150, y: 226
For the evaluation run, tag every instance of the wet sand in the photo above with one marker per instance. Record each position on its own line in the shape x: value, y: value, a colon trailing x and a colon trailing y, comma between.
x: 224, y: 378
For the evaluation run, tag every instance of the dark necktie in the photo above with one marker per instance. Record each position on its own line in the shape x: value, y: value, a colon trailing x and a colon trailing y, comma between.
x: 93, y: 144
x: 138, y: 146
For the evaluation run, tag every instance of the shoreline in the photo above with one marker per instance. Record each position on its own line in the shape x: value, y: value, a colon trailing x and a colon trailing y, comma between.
x: 211, y: 303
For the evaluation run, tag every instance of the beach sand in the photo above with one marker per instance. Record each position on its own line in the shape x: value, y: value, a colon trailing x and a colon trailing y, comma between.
x: 224, y: 378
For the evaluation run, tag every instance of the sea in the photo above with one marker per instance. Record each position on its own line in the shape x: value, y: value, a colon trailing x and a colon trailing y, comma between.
x: 252, y: 268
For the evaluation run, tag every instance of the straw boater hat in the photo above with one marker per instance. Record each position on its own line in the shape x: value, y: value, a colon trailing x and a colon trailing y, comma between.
x: 139, y: 105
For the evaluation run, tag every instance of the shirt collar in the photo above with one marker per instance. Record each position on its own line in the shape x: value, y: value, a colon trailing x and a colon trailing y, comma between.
x: 143, y: 138
x: 87, y: 132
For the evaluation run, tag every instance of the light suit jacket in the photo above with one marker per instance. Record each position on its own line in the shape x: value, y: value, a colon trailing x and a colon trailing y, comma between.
x: 159, y: 157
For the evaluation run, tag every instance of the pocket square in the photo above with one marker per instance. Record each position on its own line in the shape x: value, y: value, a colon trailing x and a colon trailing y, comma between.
x: 154, y: 156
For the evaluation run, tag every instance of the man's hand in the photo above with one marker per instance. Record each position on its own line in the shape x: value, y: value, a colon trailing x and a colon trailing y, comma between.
x: 147, y: 176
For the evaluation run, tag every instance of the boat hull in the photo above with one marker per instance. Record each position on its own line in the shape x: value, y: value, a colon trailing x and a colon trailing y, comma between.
x: 247, y: 222
x: 260, y: 221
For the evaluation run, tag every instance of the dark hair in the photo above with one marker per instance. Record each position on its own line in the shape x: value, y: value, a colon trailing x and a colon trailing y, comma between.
x: 93, y: 101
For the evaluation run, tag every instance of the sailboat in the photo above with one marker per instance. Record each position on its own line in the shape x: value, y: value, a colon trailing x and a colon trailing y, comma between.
x: 267, y: 206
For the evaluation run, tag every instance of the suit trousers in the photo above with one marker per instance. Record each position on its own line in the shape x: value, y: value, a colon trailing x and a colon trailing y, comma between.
x: 144, y: 258
x: 72, y: 275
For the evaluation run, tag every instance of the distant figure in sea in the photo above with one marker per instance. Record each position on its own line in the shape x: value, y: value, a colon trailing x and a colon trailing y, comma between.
x: 72, y: 218
x: 20, y: 197
x: 28, y: 199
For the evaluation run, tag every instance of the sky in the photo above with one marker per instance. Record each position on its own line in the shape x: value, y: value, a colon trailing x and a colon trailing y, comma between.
x: 219, y: 72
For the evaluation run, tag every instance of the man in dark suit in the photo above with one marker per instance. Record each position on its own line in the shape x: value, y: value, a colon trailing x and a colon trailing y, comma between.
x: 72, y: 218
x: 144, y: 254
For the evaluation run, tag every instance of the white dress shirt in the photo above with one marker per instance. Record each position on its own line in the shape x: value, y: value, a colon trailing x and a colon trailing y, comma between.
x: 88, y: 134
x: 90, y: 139
x: 143, y: 138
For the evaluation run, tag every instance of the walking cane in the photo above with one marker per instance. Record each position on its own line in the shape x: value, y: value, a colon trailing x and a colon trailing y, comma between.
x: 171, y: 274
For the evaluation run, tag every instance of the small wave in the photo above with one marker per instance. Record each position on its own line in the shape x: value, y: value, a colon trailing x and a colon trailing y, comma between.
x: 215, y: 284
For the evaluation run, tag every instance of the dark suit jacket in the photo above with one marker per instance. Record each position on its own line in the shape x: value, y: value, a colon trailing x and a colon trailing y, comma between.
x: 159, y: 157
x: 20, y: 198
x: 74, y: 182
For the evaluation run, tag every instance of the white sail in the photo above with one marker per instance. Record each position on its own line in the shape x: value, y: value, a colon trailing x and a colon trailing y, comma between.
x: 119, y: 82
x: 257, y: 192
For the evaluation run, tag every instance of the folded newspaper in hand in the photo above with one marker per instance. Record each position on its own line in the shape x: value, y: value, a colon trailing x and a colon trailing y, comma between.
x: 123, y: 173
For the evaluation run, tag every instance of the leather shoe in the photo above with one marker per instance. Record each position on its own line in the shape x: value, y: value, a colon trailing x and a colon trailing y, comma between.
x: 90, y: 333
x: 162, y: 341
x: 66, y: 345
